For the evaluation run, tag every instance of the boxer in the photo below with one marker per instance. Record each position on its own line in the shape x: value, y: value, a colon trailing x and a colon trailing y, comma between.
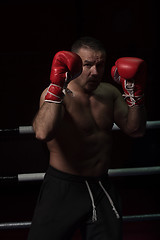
x: 75, y: 119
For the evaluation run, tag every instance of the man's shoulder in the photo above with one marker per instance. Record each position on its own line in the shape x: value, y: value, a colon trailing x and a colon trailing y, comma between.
x: 107, y: 92
x: 106, y: 89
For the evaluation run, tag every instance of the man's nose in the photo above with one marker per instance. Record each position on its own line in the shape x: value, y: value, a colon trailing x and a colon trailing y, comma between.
x: 94, y: 70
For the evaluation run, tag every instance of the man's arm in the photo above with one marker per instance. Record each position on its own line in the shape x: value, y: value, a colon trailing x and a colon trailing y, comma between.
x: 130, y: 114
x: 65, y: 66
x: 131, y: 120
x: 47, y: 119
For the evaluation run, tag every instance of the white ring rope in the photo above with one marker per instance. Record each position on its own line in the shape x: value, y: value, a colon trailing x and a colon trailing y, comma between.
x: 121, y: 172
x: 29, y: 129
x: 149, y: 125
x: 131, y: 218
x: 30, y: 177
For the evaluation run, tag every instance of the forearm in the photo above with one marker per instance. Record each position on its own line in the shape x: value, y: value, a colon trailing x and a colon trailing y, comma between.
x: 136, y: 121
x: 131, y: 73
x: 47, y: 120
x: 65, y: 66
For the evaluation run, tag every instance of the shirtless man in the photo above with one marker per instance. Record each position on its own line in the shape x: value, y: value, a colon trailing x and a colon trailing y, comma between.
x: 77, y: 127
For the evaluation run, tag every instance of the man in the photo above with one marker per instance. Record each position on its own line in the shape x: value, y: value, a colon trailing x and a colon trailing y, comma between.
x: 76, y: 115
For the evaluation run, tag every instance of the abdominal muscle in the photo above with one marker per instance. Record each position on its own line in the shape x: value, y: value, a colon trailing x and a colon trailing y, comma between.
x: 86, y: 156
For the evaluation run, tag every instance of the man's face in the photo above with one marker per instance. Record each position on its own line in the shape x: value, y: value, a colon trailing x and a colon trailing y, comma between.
x: 93, y: 68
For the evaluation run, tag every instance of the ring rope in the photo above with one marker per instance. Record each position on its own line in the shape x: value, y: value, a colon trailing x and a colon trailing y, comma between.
x: 149, y: 125
x: 131, y: 218
x: 120, y: 172
x: 29, y: 129
x: 144, y: 217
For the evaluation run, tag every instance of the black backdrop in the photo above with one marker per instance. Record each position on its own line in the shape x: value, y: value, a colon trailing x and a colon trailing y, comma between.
x: 32, y: 32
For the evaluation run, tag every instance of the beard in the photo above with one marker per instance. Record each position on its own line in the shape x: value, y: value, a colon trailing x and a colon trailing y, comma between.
x: 92, y: 84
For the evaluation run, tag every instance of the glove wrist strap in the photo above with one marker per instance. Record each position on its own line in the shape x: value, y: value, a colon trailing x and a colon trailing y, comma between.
x: 54, y: 94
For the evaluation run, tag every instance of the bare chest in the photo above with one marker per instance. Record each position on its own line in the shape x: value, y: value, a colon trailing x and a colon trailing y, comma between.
x: 84, y: 135
x: 89, y: 114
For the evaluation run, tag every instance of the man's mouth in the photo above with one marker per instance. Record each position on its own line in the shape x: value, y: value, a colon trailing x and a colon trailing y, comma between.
x: 93, y: 80
x: 92, y: 83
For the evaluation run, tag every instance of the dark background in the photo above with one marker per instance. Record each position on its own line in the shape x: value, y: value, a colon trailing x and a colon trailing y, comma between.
x: 31, y: 33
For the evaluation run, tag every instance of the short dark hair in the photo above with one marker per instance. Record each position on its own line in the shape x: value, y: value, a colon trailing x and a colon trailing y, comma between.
x: 87, y: 42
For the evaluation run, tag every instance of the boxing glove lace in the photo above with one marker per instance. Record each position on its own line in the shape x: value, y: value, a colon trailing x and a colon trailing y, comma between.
x: 131, y: 73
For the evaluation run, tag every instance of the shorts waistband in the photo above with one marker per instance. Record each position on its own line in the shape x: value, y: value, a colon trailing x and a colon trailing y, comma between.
x: 76, y: 178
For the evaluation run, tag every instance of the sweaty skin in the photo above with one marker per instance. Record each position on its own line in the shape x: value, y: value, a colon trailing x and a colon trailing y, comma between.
x: 79, y: 136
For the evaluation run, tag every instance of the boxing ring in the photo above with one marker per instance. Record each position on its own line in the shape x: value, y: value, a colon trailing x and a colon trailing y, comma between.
x: 113, y: 173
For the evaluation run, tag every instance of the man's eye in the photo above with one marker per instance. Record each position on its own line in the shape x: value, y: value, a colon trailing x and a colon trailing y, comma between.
x: 87, y: 65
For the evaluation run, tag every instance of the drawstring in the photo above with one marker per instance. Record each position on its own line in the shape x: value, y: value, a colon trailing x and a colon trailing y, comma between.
x: 94, y: 216
x: 110, y: 200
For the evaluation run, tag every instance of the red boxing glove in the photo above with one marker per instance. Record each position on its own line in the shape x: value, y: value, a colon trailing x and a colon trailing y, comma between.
x: 131, y: 73
x: 65, y: 67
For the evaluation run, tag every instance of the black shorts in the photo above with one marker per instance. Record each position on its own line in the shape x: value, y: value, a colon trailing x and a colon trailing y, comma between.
x: 69, y: 202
